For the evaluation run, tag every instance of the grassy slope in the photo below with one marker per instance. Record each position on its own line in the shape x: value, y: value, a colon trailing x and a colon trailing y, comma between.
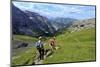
x: 24, y: 38
x: 77, y: 46
x: 26, y: 56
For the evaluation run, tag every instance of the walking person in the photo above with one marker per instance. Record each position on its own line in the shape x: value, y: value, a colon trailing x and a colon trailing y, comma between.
x: 40, y: 48
x: 53, y: 44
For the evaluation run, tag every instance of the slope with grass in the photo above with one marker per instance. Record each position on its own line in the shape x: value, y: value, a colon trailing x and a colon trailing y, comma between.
x: 74, y: 47
x: 23, y: 55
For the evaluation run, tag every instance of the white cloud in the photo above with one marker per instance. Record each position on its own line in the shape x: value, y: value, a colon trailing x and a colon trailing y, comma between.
x: 54, y: 10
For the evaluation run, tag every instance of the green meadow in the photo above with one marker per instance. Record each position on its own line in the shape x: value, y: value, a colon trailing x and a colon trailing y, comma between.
x: 72, y: 47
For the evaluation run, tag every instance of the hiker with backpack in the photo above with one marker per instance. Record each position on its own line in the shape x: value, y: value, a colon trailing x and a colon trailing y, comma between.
x: 40, y: 48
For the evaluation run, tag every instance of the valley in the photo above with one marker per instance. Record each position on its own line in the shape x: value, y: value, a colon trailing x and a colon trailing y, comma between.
x: 75, y: 38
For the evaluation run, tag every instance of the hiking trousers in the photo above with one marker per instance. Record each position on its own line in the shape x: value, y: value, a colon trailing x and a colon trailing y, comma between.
x: 41, y: 53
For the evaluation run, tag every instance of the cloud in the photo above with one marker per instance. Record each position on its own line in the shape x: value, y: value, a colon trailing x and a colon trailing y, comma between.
x: 58, y: 10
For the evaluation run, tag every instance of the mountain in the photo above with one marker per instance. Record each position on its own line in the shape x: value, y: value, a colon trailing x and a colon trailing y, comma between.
x: 60, y: 23
x: 33, y: 24
x: 83, y: 24
x: 30, y: 23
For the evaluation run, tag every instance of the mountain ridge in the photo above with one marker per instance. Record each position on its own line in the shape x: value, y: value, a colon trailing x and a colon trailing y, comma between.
x: 36, y: 25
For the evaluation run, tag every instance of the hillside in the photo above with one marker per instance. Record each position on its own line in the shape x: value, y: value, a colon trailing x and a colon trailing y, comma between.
x: 30, y: 23
x: 73, y: 47
x: 73, y: 28
x: 61, y: 23
x: 83, y: 24
x: 21, y: 55
x: 75, y: 43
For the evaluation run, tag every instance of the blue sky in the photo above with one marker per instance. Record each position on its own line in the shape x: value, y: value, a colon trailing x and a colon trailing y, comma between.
x: 58, y: 10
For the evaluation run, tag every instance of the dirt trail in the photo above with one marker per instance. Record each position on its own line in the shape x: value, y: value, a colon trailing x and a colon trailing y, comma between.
x: 37, y: 61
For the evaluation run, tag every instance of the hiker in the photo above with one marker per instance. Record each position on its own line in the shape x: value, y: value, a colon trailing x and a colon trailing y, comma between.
x: 40, y: 48
x: 53, y: 43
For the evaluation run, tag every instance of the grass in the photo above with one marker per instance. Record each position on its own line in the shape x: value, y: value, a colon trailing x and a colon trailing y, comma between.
x: 24, y: 38
x: 25, y: 58
x: 74, y: 47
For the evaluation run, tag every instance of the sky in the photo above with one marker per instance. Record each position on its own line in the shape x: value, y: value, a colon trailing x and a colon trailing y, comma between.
x: 51, y: 10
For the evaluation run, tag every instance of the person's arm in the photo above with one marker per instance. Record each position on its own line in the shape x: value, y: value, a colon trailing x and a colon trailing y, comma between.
x: 50, y: 44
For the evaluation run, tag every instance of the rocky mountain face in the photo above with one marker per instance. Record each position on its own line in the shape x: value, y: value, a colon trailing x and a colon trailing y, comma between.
x: 61, y: 23
x: 83, y: 24
x: 30, y: 23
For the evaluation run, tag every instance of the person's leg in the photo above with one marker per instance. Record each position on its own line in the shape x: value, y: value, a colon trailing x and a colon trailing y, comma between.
x: 39, y: 53
x: 42, y: 53
x: 54, y: 47
x: 51, y: 47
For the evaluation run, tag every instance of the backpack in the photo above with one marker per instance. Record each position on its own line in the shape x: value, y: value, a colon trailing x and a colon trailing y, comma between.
x: 39, y: 45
